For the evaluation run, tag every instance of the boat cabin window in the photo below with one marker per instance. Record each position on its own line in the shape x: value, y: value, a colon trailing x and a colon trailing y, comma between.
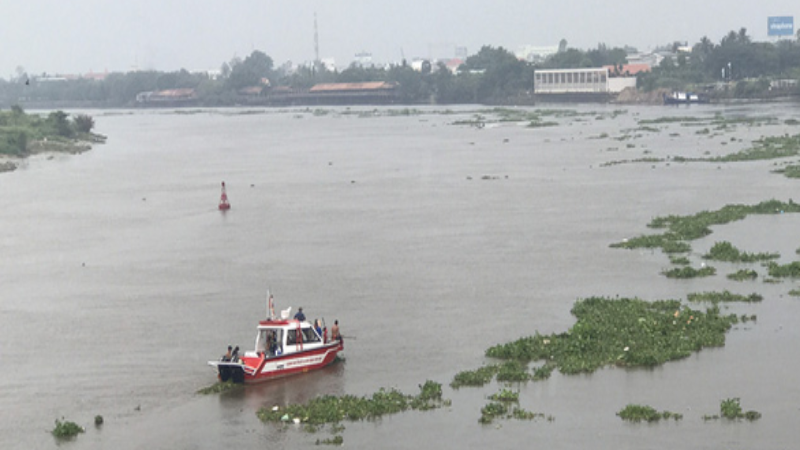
x: 291, y: 337
x: 261, y: 341
x: 309, y: 335
x: 269, y: 341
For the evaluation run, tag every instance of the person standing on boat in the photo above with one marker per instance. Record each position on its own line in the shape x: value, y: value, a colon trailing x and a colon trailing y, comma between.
x: 227, y: 356
x: 300, y: 316
x: 335, y: 331
x: 318, y: 327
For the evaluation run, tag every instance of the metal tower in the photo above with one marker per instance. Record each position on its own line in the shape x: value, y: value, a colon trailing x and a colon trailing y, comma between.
x: 316, y: 40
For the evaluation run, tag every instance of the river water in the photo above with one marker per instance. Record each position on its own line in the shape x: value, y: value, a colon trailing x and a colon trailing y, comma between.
x: 428, y: 241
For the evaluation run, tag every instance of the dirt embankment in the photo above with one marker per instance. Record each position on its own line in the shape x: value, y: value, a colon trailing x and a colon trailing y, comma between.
x: 632, y: 95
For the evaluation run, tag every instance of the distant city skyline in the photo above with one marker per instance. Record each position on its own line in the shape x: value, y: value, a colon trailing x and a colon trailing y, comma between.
x: 59, y: 37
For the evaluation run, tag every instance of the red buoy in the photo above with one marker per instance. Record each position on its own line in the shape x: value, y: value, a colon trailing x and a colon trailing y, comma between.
x: 223, y: 200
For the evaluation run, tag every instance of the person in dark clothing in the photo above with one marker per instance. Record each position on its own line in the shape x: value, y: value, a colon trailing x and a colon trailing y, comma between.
x: 227, y: 356
x: 300, y: 316
x: 235, y: 354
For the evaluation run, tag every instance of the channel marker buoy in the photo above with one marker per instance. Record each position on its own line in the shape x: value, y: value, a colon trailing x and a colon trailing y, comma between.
x: 224, y: 205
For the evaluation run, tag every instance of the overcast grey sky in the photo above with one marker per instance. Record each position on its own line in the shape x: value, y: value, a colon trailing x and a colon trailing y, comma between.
x: 68, y: 37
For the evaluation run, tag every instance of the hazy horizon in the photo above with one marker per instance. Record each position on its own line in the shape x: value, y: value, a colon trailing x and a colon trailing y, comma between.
x: 94, y: 35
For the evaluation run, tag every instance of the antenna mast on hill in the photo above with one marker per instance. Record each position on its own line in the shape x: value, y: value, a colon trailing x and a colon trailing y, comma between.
x: 316, y: 41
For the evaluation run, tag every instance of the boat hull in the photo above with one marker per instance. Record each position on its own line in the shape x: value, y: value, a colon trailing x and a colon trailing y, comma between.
x: 259, y: 369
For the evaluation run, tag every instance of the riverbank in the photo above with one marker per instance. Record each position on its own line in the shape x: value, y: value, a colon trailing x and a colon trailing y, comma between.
x: 50, y: 148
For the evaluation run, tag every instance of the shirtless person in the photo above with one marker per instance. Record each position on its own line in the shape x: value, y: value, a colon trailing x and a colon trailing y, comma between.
x: 335, y: 331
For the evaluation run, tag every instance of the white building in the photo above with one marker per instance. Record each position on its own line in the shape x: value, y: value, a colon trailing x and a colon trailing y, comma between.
x: 532, y: 53
x: 579, y: 81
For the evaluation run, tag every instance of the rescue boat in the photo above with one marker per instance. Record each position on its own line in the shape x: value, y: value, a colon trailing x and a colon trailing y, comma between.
x: 283, y: 347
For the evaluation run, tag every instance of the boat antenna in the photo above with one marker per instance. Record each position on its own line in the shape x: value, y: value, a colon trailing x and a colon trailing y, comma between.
x: 270, y: 308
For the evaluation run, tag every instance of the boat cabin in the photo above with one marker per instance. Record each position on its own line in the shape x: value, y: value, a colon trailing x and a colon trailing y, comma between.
x: 284, y: 337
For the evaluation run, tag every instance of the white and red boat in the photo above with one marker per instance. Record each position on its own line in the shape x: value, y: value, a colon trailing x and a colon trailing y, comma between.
x: 283, y: 347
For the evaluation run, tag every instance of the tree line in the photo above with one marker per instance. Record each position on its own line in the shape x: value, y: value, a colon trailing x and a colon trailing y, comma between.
x: 493, y: 75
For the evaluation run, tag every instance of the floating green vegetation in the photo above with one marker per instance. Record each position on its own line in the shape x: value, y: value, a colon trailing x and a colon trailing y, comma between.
x: 505, y: 395
x: 644, y: 413
x: 540, y: 124
x: 672, y: 247
x: 498, y: 410
x: 791, y: 122
x: 219, y: 387
x: 66, y: 429
x: 766, y: 148
x: 623, y: 332
x: 98, y: 420
x: 703, y: 131
x: 543, y: 372
x: 688, y: 228
x: 724, y: 297
x: 336, y: 440
x: 725, y: 251
x: 743, y: 275
x: 492, y: 411
x: 795, y: 292
x: 513, y: 372
x: 690, y: 272
x: 791, y: 270
x: 638, y: 160
x: 731, y: 409
x: 790, y: 171
x: 403, y: 112
x: 671, y: 120
x: 650, y: 129
x: 477, y: 377
x: 333, y: 409
x: 679, y: 260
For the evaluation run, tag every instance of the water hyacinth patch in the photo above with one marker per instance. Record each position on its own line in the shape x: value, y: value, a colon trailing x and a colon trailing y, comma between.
x: 219, y: 387
x: 732, y: 410
x: 66, y: 429
x: 725, y: 251
x: 498, y: 410
x: 644, y: 413
x: 513, y: 372
x: 333, y: 409
x: 623, y: 332
x: 477, y: 377
x: 505, y: 395
x: 543, y: 372
x: 724, y: 296
x: 688, y: 228
x: 690, y: 272
x: 743, y: 275
x: 336, y: 440
x: 791, y: 270
x: 679, y: 260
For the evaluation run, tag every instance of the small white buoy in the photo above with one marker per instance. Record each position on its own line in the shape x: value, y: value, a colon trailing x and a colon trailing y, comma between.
x: 296, y: 420
x: 275, y: 408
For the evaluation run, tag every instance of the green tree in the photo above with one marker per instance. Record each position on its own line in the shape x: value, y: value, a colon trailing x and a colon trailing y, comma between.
x: 83, y: 123
x: 57, y: 121
x: 251, y: 71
